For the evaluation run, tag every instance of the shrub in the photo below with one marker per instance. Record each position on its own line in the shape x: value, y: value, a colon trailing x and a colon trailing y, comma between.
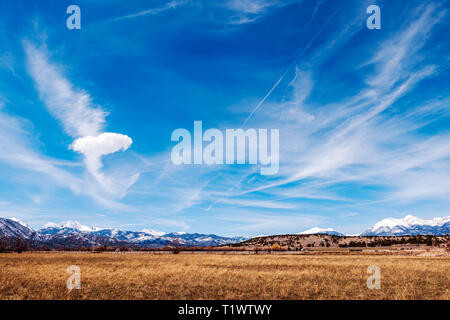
x: 276, y: 247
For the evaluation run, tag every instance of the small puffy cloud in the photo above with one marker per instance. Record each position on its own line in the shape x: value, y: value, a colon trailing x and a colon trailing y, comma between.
x: 93, y: 148
x: 103, y: 144
x: 80, y: 117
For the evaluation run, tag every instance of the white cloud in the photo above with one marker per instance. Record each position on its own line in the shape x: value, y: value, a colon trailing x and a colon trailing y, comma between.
x: 257, y: 204
x: 248, y: 11
x: 80, y: 118
x: 93, y: 148
x: 103, y: 144
x: 73, y: 107
x: 249, y: 6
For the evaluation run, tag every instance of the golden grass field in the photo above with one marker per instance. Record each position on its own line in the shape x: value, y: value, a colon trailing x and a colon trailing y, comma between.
x: 209, y: 276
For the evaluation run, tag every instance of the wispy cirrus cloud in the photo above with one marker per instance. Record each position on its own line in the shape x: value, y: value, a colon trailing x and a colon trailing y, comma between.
x: 353, y: 140
x: 17, y: 150
x: 80, y: 118
x: 248, y: 11
x: 156, y: 10
x: 272, y: 223
x: 257, y: 204
x: 73, y: 107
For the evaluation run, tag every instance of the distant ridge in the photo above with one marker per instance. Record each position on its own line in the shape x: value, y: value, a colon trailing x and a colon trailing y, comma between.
x: 328, y: 231
x: 75, y: 234
x: 406, y: 226
x: 409, y: 225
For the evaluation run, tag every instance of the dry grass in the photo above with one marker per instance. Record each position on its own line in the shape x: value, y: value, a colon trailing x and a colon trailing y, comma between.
x: 184, y: 276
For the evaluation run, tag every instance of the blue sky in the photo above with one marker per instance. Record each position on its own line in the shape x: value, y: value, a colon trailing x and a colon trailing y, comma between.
x: 363, y: 114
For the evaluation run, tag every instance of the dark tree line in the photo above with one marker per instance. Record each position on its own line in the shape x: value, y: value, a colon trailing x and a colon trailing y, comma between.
x: 13, y: 245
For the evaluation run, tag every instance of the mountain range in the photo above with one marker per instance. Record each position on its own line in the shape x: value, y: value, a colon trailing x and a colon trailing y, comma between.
x: 74, y: 234
x: 406, y: 226
x: 409, y: 225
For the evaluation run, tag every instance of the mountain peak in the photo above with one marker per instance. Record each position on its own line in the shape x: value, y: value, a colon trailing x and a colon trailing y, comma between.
x: 154, y: 233
x: 409, y: 220
x: 316, y: 230
x: 72, y: 225
x: 13, y: 227
x: 51, y: 225
x: 19, y: 221
x: 409, y: 225
x: 78, y: 226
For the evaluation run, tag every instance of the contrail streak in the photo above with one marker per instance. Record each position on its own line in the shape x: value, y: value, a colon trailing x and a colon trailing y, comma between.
x: 301, y: 54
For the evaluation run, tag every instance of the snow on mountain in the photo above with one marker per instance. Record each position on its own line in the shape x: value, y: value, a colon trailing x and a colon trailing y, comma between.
x: 19, y: 221
x: 12, y: 228
x: 129, y: 236
x: 69, y: 227
x: 154, y: 233
x: 79, y: 226
x: 76, y: 226
x: 51, y: 225
x: 199, y: 239
x: 316, y: 230
x: 73, y: 233
x: 410, y: 225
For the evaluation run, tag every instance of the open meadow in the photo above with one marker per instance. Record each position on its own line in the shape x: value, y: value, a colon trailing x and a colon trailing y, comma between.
x: 216, y: 276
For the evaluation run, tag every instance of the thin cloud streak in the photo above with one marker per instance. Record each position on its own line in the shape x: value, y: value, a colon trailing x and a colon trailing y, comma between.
x: 170, y: 5
x: 299, y: 56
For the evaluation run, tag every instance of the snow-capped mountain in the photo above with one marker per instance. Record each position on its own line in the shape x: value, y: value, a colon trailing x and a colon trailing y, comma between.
x: 316, y: 230
x: 199, y: 239
x: 14, y: 228
x: 154, y: 233
x: 75, y: 225
x: 144, y: 237
x: 409, y: 225
x: 72, y: 233
x: 68, y: 227
x: 129, y: 236
x: 19, y: 221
